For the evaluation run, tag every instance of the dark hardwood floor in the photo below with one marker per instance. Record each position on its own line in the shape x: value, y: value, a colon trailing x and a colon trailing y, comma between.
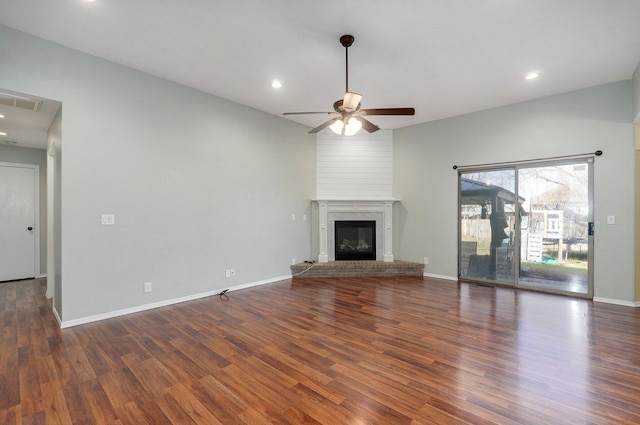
x: 331, y: 351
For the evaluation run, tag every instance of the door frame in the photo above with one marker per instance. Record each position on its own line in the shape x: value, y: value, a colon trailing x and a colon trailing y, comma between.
x: 36, y: 212
x: 516, y: 166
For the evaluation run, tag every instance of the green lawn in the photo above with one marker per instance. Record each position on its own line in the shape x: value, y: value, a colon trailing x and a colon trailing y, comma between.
x: 559, y: 272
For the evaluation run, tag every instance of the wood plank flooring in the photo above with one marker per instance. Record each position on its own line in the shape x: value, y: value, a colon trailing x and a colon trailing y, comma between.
x: 327, y: 351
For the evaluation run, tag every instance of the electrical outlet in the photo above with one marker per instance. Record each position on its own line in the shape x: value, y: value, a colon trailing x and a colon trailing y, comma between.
x: 293, y: 217
x: 227, y: 273
x: 426, y: 260
x: 304, y: 217
x: 293, y: 261
x: 232, y: 272
x: 147, y: 287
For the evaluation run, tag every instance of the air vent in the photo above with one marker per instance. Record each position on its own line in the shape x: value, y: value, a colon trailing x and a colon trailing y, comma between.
x: 20, y: 102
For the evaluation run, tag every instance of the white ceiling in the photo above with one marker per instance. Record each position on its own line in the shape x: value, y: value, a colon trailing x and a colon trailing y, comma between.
x: 443, y: 57
x: 25, y: 127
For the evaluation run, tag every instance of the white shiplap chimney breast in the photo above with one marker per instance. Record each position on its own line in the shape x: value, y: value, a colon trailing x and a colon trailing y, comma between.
x: 354, y: 181
x: 354, y: 167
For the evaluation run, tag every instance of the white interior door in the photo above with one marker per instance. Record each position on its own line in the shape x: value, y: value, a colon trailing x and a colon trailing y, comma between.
x: 18, y: 219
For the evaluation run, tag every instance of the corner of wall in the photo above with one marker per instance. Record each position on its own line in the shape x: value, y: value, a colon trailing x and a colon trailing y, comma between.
x: 54, y: 222
x: 636, y: 287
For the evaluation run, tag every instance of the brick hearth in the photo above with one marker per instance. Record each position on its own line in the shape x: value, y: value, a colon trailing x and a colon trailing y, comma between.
x: 356, y: 269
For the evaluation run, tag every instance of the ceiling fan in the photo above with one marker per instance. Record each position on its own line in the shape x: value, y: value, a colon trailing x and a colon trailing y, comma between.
x: 350, y: 118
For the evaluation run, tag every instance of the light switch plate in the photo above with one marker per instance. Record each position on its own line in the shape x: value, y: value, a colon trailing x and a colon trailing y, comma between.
x: 611, y: 219
x: 107, y: 219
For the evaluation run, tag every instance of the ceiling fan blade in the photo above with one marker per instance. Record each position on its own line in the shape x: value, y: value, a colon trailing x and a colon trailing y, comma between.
x: 388, y: 111
x: 351, y: 101
x: 325, y: 124
x: 302, y: 113
x: 366, y: 124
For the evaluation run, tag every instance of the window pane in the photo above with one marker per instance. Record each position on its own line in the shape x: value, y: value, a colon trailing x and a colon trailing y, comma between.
x: 554, y: 245
x: 487, y: 222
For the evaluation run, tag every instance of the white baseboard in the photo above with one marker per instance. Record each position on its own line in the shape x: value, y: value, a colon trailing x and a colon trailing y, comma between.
x: 616, y: 302
x: 57, y: 316
x: 116, y: 313
x: 439, y: 276
x: 111, y: 314
x: 41, y: 275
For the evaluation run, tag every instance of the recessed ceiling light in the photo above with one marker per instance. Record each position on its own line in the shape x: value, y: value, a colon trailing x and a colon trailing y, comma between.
x: 276, y: 84
x: 2, y: 133
x: 533, y: 75
x: 1, y: 116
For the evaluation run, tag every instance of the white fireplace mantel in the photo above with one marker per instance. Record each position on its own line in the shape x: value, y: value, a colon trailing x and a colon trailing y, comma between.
x: 380, y: 210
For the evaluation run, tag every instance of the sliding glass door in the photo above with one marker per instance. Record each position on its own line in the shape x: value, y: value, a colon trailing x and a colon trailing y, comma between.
x: 554, y: 241
x: 528, y: 226
x: 488, y: 209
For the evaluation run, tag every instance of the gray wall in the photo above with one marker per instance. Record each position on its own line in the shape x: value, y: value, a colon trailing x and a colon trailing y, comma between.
x: 37, y: 157
x: 572, y: 123
x: 197, y: 184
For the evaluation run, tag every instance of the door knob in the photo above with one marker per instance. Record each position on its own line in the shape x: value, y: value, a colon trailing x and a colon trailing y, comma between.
x: 29, y: 228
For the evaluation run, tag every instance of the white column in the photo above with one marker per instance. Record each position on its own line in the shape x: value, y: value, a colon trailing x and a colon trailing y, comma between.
x: 323, y: 254
x: 388, y: 232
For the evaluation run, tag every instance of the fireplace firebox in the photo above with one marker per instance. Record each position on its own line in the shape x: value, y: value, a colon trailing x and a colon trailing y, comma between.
x: 355, y: 240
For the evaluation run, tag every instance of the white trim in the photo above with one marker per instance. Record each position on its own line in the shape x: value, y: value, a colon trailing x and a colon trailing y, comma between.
x: 56, y: 315
x: 111, y: 314
x: 616, y: 302
x: 439, y: 276
x: 36, y: 220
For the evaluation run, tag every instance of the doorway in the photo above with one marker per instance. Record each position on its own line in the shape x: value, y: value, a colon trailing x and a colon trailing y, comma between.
x: 19, y: 221
x: 528, y: 226
x: 32, y: 134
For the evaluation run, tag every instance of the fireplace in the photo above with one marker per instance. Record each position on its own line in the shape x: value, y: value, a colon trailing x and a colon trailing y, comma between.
x: 355, y: 240
x: 377, y: 210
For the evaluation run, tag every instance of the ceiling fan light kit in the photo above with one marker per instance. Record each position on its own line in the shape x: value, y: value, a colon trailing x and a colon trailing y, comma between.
x: 350, y: 118
x: 349, y: 129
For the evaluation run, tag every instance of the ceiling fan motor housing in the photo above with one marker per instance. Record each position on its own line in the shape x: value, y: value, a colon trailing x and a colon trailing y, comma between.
x: 347, y: 40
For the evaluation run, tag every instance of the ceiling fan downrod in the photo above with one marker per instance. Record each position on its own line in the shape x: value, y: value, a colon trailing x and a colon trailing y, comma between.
x: 346, y: 40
